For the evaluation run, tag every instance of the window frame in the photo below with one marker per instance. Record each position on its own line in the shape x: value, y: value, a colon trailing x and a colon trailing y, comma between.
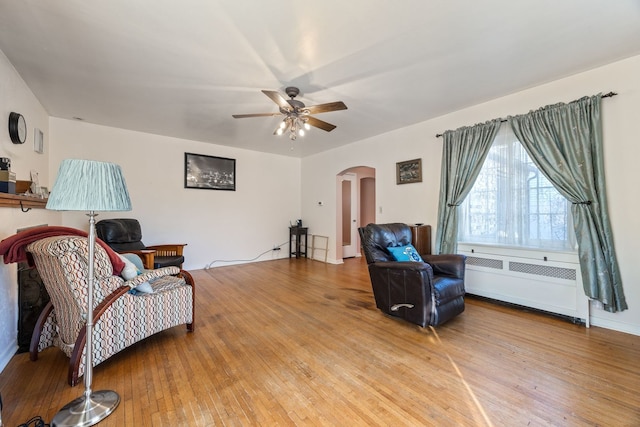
x: 498, y: 224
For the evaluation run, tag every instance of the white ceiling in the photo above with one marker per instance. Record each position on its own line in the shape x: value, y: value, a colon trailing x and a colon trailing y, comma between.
x: 182, y: 68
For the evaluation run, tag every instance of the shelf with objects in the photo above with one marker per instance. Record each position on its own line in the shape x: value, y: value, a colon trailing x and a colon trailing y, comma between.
x: 16, y: 193
x: 8, y: 200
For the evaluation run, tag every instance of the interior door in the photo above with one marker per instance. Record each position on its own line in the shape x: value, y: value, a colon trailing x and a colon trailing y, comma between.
x: 349, y: 215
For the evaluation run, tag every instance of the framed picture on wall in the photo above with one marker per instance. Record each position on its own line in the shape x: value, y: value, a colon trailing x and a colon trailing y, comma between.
x: 38, y: 141
x: 409, y: 171
x: 209, y: 172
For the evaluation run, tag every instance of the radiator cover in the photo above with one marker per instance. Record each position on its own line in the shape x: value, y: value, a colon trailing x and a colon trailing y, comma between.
x: 548, y: 281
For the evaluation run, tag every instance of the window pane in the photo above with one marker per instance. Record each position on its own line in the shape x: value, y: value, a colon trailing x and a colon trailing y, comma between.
x: 512, y: 203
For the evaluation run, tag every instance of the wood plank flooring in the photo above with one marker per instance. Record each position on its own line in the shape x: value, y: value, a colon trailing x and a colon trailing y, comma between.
x: 299, y: 342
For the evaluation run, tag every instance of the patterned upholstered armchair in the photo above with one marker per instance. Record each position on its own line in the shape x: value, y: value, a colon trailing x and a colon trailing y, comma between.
x: 121, y: 318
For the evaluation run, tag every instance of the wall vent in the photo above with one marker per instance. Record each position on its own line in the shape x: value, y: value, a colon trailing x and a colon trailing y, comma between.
x: 485, y: 262
x: 543, y: 270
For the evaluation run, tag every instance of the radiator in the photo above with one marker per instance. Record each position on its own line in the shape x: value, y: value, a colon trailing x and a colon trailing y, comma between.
x: 548, y: 281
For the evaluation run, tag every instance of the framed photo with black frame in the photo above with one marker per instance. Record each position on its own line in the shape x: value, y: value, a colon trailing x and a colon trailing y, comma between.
x: 209, y: 172
x: 409, y: 171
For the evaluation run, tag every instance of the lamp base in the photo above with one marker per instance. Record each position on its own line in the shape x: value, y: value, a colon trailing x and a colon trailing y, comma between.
x: 87, y: 412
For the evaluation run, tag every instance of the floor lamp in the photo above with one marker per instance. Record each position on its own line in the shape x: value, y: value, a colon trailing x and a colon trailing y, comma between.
x: 89, y: 186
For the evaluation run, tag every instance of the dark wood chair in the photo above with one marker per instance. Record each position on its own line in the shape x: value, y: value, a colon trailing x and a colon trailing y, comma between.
x: 124, y: 235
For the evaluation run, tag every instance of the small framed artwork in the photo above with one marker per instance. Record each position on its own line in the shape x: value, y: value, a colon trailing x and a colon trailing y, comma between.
x: 38, y: 141
x: 209, y: 172
x: 409, y: 171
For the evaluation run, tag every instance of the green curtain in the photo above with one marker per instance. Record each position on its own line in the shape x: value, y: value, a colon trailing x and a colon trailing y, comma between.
x: 463, y: 154
x: 565, y: 142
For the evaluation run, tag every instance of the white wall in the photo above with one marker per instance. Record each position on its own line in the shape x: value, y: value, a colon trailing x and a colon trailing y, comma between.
x: 16, y: 96
x: 216, y: 225
x: 418, y: 202
x: 408, y: 203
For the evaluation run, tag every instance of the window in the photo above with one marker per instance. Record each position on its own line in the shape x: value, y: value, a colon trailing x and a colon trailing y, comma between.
x: 512, y: 203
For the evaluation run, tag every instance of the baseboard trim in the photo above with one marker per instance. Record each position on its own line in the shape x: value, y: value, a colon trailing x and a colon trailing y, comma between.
x: 571, y: 319
x: 614, y: 326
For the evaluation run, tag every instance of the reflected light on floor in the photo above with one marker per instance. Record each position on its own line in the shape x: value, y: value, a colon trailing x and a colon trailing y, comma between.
x: 464, y: 382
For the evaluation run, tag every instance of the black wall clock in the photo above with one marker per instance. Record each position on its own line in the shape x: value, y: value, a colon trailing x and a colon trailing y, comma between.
x: 17, y: 128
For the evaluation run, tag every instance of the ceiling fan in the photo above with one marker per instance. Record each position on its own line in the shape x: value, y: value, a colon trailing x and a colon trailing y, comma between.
x: 297, y: 116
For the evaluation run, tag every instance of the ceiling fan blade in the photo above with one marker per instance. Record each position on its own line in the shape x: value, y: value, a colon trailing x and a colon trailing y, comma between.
x: 243, y: 116
x: 278, y: 99
x: 320, y: 124
x: 325, y: 108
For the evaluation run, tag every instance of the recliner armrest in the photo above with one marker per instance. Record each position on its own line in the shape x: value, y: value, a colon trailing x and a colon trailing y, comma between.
x: 403, y: 265
x: 451, y: 265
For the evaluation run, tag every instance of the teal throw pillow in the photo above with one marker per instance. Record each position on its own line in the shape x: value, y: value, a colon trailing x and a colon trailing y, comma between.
x: 405, y: 253
x: 135, y: 259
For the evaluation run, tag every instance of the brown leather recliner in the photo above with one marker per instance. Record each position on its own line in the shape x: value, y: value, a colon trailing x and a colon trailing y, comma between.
x: 424, y: 293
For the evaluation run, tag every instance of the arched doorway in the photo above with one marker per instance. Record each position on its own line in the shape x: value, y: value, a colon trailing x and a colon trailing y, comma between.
x: 356, y: 206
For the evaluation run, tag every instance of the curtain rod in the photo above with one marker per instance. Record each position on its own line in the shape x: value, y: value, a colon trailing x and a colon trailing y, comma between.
x: 606, y: 95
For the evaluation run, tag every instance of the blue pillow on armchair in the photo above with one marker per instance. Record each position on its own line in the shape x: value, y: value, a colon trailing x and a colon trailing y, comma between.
x: 405, y: 253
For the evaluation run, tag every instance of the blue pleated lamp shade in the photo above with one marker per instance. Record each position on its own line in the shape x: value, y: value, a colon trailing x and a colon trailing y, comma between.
x: 87, y: 185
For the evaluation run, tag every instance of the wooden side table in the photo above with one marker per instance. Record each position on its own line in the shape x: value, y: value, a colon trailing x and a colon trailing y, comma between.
x: 421, y: 238
x: 297, y: 234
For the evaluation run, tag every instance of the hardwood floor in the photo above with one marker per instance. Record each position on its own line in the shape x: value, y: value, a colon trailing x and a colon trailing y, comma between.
x: 299, y: 342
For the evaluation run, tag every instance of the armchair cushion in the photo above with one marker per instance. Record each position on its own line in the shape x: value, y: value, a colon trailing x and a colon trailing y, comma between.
x: 121, y: 234
x: 405, y: 253
x: 142, y: 283
x: 376, y: 240
x: 167, y: 261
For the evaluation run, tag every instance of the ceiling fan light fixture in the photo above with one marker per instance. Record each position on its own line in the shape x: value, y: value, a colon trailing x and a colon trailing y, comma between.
x: 296, y: 115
